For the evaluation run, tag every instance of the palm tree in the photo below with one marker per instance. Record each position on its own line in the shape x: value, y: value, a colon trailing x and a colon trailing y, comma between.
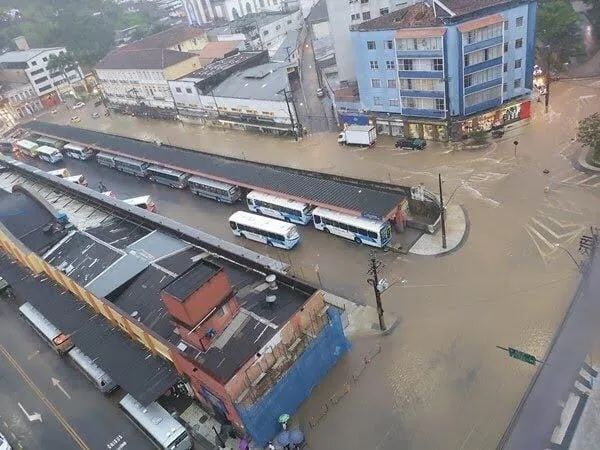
x: 63, y: 62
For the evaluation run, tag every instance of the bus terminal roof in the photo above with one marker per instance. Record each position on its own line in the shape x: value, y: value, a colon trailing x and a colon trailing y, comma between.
x: 354, y: 196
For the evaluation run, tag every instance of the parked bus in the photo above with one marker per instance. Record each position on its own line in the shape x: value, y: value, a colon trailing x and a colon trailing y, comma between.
x: 59, y: 342
x: 144, y: 202
x: 170, y: 177
x: 77, y: 179
x: 131, y: 166
x: 50, y: 142
x: 263, y: 229
x: 60, y: 173
x: 27, y: 147
x: 6, y: 145
x: 163, y: 430
x: 216, y: 190
x: 280, y: 208
x: 98, y: 377
x: 104, y: 159
x: 49, y: 154
x: 78, y: 152
x: 376, y: 233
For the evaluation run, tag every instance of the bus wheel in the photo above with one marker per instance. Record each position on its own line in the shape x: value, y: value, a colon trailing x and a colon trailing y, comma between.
x: 326, y: 230
x: 357, y: 240
x: 270, y: 244
x: 287, y: 219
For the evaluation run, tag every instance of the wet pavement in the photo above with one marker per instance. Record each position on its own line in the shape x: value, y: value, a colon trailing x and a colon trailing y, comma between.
x: 438, y: 380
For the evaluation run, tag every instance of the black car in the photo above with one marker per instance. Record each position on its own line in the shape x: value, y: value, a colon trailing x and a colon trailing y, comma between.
x: 412, y: 143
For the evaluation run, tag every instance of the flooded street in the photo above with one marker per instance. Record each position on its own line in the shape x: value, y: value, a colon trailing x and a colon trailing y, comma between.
x: 438, y: 380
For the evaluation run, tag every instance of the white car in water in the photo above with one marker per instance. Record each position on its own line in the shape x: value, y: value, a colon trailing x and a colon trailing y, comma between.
x: 78, y: 105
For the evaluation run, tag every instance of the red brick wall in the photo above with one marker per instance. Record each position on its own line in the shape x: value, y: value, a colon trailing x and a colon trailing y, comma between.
x: 199, y: 378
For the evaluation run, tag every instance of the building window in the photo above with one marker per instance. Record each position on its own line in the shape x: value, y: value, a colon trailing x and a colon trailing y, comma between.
x: 421, y: 84
x: 364, y: 1
x: 265, y: 32
x: 34, y: 63
x: 483, y: 76
x: 44, y: 88
x: 504, y: 87
x: 518, y: 64
x: 188, y: 90
x: 45, y: 59
x: 406, y: 64
x: 439, y: 104
x: 278, y: 27
x: 40, y: 80
x: 394, y: 102
x: 505, y: 47
x: 438, y: 64
x: 428, y: 44
x: 374, y: 65
x: 391, y: 84
x: 390, y: 65
x: 484, y: 33
x: 506, y: 25
x: 505, y: 68
x: 366, y: 15
x: 375, y: 83
x: 517, y: 83
x: 371, y: 45
x: 483, y: 96
x: 384, y: 11
x: 519, y: 43
x: 178, y: 90
x: 410, y: 102
x: 520, y: 21
x: 480, y: 56
x: 377, y: 101
x: 36, y: 72
x: 355, y: 17
x: 389, y: 45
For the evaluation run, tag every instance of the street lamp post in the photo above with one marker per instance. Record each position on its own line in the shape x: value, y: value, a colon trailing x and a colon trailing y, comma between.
x: 547, y: 100
x: 443, y: 212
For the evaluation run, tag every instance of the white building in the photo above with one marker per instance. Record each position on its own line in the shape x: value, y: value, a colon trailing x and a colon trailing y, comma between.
x: 345, y: 13
x: 252, y: 98
x: 207, y: 11
x: 30, y: 66
x: 137, y: 80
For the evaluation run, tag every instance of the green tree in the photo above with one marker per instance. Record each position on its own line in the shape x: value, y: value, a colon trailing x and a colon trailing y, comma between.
x: 588, y: 133
x: 63, y: 63
x: 558, y: 33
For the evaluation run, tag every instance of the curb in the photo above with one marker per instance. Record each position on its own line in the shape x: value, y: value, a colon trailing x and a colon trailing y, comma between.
x: 581, y: 161
x: 464, y: 238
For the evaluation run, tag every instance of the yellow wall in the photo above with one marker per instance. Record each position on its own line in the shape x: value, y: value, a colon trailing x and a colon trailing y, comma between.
x: 191, y: 45
x: 183, y: 68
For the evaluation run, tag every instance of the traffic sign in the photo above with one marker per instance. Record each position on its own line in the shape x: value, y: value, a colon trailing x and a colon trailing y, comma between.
x: 525, y: 357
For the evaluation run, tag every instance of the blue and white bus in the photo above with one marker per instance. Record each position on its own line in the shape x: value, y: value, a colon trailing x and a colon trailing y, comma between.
x: 170, y: 177
x: 49, y: 154
x: 216, y: 190
x: 78, y: 152
x: 376, y: 233
x: 131, y: 166
x: 263, y: 229
x: 280, y: 208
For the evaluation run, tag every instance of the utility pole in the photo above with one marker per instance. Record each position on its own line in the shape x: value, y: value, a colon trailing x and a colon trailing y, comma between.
x: 375, y: 264
x: 548, y: 81
x: 287, y: 102
x: 443, y: 212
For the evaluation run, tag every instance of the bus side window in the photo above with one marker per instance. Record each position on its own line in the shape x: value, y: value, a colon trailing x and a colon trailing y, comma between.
x: 232, y: 225
x: 249, y: 201
x: 317, y: 219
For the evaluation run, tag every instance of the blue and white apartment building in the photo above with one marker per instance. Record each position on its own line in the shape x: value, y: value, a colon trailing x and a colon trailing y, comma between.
x: 441, y: 68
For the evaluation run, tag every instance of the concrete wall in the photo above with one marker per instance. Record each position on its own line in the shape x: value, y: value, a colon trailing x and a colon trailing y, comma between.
x: 321, y: 30
x: 260, y: 419
x: 276, y: 110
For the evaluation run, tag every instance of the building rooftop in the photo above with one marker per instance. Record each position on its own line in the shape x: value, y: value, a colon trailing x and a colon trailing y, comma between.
x: 218, y: 66
x: 462, y: 7
x: 25, y: 55
x: 167, y: 38
x: 318, y: 13
x: 217, y: 50
x: 192, y: 280
x: 264, y: 82
x: 249, y: 23
x: 419, y: 15
x: 287, y: 46
x: 146, y: 59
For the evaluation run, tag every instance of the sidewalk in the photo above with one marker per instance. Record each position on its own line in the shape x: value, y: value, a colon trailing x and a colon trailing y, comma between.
x: 457, y: 230
x: 581, y: 160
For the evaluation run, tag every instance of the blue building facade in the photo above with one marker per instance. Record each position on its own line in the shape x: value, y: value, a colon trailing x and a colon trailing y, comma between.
x: 441, y: 68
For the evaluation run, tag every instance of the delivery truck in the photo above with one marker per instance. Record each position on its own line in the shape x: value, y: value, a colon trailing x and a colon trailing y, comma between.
x: 358, y: 135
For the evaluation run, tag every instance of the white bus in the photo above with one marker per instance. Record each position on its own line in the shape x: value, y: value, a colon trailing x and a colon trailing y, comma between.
x: 42, y: 326
x: 376, y: 233
x: 263, y: 229
x: 99, y: 378
x: 50, y: 142
x: 104, y: 159
x: 216, y: 190
x: 49, y: 154
x: 131, y: 166
x: 27, y: 147
x: 78, y: 152
x: 163, y: 430
x: 170, y: 177
x: 280, y: 208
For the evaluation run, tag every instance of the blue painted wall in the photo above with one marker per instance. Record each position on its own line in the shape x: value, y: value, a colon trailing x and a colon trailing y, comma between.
x: 295, y: 386
x: 526, y: 53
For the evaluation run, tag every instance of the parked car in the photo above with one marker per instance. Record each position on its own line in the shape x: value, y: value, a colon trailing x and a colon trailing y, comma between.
x: 412, y: 143
x: 78, y: 105
x: 320, y: 93
x: 4, y: 445
x: 95, y: 115
x: 53, y: 112
x: 75, y: 119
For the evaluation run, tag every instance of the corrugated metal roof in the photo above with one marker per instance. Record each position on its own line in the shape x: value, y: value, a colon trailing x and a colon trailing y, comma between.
x: 157, y: 245
x: 121, y: 272
x: 300, y: 185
